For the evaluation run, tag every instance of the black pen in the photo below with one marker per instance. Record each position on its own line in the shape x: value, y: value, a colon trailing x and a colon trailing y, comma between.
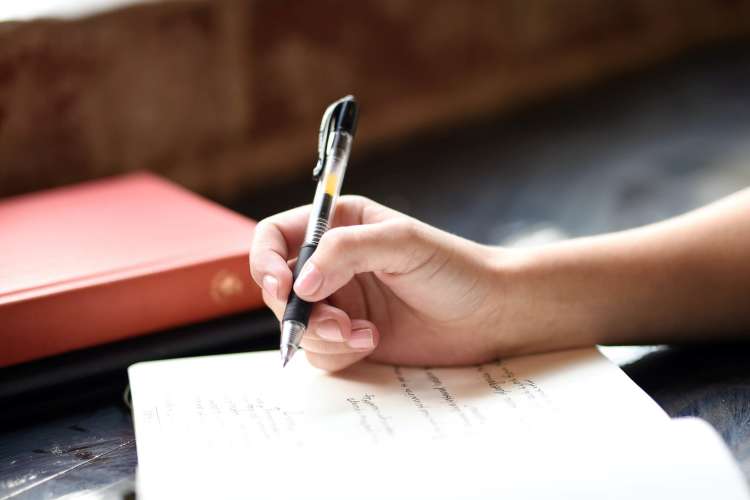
x: 334, y: 144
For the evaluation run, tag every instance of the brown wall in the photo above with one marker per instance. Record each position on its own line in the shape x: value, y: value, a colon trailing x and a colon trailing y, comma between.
x: 223, y: 95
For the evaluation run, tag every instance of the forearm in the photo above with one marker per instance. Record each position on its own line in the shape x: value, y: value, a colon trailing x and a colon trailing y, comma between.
x: 683, y: 279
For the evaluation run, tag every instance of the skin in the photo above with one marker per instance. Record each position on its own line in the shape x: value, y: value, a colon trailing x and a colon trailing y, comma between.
x: 393, y: 289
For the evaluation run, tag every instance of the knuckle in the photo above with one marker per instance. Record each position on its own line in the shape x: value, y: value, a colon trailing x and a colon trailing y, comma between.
x: 262, y: 227
x: 356, y: 199
x: 405, y: 229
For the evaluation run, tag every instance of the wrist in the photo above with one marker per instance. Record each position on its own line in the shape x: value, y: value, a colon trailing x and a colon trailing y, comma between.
x: 545, y: 297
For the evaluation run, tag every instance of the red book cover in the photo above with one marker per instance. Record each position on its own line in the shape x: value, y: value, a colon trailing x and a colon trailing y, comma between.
x: 110, y: 259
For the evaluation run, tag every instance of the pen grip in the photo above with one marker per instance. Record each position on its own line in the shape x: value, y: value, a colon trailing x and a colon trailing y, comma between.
x: 296, y: 308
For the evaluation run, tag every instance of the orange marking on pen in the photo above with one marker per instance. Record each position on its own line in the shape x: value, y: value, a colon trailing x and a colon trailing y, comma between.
x: 331, y: 182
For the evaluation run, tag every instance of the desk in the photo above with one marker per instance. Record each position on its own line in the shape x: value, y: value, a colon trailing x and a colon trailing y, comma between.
x: 637, y: 150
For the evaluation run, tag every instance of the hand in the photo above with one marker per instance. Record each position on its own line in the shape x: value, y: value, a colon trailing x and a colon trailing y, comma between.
x: 386, y: 286
x: 399, y: 291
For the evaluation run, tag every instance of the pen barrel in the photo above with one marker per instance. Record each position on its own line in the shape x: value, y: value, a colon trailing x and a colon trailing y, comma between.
x: 296, y: 308
x: 328, y: 188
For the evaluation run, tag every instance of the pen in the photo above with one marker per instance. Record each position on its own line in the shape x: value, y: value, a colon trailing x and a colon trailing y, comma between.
x: 337, y: 130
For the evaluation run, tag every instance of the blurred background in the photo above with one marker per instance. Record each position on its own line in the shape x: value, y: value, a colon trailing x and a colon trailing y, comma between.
x: 510, y: 122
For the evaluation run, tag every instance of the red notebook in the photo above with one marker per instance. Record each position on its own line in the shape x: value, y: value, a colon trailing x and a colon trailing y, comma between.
x: 110, y: 259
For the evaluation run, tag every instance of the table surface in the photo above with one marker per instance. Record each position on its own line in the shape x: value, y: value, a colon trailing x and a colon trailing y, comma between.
x: 632, y: 151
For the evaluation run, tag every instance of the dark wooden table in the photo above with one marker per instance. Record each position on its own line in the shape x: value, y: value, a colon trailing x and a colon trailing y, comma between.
x: 633, y: 151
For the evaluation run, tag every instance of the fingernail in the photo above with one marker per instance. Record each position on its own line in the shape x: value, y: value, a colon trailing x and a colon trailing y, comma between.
x: 361, y: 339
x: 329, y: 330
x: 309, y: 280
x: 271, y: 285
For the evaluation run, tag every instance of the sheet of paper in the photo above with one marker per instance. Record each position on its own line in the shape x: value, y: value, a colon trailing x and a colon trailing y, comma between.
x: 247, y: 400
x: 685, y: 459
x: 235, y: 425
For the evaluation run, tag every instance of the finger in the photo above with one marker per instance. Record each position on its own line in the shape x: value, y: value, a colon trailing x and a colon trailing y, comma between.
x: 363, y: 339
x: 270, y: 250
x: 318, y: 346
x: 328, y: 324
x: 336, y: 356
x: 277, y: 239
x: 398, y: 246
x: 274, y: 304
x: 353, y: 210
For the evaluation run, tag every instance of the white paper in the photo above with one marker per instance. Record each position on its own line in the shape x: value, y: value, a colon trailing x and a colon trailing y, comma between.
x: 238, y: 426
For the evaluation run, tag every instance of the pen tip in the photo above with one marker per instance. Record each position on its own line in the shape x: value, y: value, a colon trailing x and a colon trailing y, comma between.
x: 291, y: 335
x: 286, y: 355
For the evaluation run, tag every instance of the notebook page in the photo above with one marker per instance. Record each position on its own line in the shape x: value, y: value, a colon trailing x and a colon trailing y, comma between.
x: 684, y: 459
x: 215, y: 405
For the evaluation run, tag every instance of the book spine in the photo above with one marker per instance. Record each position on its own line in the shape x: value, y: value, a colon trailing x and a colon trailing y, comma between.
x: 107, y: 312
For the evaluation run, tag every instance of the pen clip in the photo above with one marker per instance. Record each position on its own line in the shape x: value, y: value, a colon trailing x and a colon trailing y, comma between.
x: 326, y: 125
x: 341, y: 116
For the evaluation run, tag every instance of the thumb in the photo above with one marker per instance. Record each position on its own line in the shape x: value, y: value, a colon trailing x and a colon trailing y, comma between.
x: 396, y: 247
